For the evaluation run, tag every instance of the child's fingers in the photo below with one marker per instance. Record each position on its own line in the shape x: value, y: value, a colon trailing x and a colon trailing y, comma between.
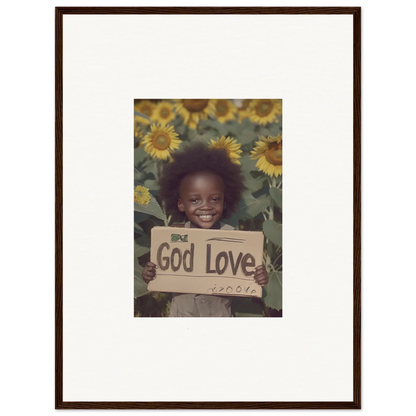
x: 150, y: 264
x: 261, y: 281
x: 147, y: 279
x: 149, y: 272
x: 260, y: 275
x: 259, y: 271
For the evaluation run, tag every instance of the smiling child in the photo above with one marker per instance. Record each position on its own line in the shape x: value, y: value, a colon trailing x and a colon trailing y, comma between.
x: 201, y: 185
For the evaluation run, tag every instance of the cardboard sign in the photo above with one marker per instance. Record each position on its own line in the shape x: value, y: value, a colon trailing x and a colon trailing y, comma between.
x: 216, y: 262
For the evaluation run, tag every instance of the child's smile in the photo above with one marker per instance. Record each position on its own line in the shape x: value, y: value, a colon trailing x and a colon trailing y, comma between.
x: 202, y: 198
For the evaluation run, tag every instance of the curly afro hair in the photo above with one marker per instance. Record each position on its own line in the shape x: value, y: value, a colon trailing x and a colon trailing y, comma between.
x: 198, y: 157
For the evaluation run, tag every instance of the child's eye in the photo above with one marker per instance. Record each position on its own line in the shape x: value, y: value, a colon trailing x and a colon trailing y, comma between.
x: 215, y: 199
x: 194, y: 200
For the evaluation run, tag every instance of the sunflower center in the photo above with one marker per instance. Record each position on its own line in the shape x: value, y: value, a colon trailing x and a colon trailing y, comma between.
x: 164, y: 113
x: 147, y: 111
x: 274, y: 154
x: 264, y: 108
x: 161, y: 141
x: 195, y: 106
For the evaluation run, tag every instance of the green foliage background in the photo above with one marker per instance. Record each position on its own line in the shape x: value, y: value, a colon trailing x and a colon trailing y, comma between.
x: 259, y: 210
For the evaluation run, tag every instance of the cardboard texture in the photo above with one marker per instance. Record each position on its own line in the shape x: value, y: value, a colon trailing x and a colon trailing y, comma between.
x: 215, y: 262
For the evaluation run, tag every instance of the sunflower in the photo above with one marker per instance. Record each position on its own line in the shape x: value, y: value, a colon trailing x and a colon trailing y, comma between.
x: 161, y: 141
x: 163, y: 113
x: 142, y: 195
x: 279, y: 107
x: 138, y: 133
x: 230, y: 145
x: 269, y: 153
x: 264, y: 111
x: 225, y: 110
x: 242, y: 111
x: 191, y: 111
x: 145, y: 107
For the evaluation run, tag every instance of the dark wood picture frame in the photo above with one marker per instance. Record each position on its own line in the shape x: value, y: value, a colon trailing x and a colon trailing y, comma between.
x: 355, y: 12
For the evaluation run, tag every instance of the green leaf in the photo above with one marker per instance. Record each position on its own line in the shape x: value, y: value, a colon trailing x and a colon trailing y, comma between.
x: 255, y: 206
x: 273, y: 231
x: 140, y: 157
x: 264, y: 132
x: 138, y: 229
x: 254, y: 184
x: 137, y: 175
x: 140, y: 251
x: 247, y: 137
x: 272, y: 292
x: 246, y: 307
x: 152, y: 208
x: 216, y: 125
x: 140, y: 287
x: 206, y: 136
x: 181, y: 129
x: 136, y: 113
x: 234, y: 128
x: 247, y: 165
x: 275, y: 129
x: 139, y: 217
x: 152, y: 168
x: 276, y: 194
x: 192, y: 134
x: 257, y: 174
x: 151, y: 184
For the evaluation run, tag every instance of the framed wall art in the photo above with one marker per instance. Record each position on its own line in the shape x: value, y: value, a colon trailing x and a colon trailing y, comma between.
x: 175, y: 117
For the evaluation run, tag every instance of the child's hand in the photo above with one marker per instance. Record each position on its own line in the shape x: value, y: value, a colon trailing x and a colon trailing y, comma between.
x: 260, y: 275
x: 149, y: 272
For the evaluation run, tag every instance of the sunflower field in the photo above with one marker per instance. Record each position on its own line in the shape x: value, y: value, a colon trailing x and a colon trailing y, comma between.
x: 251, y: 132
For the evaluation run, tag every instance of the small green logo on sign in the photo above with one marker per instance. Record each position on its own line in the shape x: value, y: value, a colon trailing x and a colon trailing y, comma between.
x: 174, y: 238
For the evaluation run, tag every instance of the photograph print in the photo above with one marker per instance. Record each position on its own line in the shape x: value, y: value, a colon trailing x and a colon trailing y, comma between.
x: 208, y: 207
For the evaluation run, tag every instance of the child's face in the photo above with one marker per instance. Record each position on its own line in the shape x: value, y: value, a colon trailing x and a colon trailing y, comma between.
x: 201, y: 197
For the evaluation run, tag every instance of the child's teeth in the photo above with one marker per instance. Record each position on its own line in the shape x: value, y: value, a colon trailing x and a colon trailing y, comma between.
x: 205, y: 216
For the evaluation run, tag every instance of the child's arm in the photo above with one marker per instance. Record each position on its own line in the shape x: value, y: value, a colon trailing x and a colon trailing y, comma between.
x: 149, y: 272
x: 260, y: 275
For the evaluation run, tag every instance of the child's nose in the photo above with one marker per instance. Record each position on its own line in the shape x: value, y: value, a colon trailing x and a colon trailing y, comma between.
x: 206, y: 205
